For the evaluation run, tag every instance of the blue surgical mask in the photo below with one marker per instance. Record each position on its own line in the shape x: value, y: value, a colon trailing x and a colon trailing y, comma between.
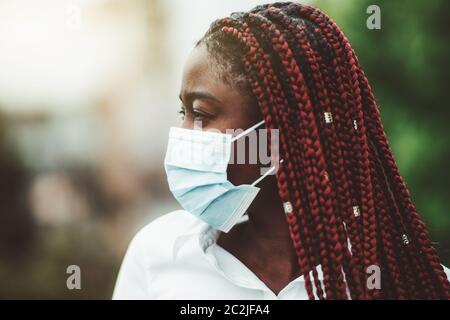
x: 196, y: 166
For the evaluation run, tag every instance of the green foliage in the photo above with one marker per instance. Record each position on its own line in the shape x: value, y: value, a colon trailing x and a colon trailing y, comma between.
x: 407, y: 64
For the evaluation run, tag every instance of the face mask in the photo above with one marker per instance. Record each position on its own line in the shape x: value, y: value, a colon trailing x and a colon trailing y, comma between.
x: 196, y: 166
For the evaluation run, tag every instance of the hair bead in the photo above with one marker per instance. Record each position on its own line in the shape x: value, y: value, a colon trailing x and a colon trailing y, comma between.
x: 356, y: 211
x: 287, y: 206
x: 328, y: 117
x: 405, y: 239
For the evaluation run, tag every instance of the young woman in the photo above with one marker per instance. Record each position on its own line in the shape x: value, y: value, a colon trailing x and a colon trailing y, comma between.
x: 336, y: 221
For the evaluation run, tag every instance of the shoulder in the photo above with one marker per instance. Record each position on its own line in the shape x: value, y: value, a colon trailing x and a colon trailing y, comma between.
x: 168, y: 226
x: 447, y: 272
x: 152, y: 246
x: 158, y: 237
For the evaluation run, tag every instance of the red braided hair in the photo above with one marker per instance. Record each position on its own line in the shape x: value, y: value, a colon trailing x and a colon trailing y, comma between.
x: 339, y: 177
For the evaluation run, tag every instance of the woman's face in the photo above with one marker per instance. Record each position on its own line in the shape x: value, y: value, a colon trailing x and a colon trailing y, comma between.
x: 216, y: 105
x: 208, y: 99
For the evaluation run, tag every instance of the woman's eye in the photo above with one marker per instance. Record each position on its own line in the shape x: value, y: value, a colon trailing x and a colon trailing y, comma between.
x: 182, y: 113
x: 198, y: 115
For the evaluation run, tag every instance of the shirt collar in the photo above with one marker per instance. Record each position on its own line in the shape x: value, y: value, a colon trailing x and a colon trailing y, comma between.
x: 202, y: 238
x: 206, y: 235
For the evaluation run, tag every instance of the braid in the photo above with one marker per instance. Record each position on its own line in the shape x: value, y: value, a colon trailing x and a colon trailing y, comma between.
x: 346, y: 204
x: 263, y: 96
x: 342, y: 163
x: 289, y: 66
x: 316, y: 84
x: 361, y: 145
x: 414, y: 223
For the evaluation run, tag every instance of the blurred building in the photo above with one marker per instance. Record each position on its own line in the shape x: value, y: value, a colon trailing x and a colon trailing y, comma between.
x: 88, y: 91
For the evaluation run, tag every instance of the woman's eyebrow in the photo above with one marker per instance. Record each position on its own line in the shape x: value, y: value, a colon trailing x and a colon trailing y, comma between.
x: 194, y: 95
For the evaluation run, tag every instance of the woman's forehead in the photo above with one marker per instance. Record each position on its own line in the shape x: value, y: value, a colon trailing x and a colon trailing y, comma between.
x: 198, y: 67
x: 200, y: 75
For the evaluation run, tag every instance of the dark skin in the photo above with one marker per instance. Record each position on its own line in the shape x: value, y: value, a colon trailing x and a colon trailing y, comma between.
x: 262, y: 243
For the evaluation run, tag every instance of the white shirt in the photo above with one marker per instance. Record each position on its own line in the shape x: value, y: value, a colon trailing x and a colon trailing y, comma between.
x: 176, y: 257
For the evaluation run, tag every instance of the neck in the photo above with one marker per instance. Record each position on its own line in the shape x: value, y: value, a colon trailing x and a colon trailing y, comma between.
x: 265, y: 236
x: 267, y: 220
x: 266, y: 214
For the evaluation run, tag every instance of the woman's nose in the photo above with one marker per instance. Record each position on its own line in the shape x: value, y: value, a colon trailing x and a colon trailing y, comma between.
x: 187, y: 123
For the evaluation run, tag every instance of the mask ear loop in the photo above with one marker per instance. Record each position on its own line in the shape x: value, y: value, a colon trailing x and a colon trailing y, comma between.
x: 245, y: 216
x: 244, y: 133
x: 266, y: 174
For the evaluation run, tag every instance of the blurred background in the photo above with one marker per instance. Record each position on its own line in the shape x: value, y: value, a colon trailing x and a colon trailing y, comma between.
x: 88, y: 91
